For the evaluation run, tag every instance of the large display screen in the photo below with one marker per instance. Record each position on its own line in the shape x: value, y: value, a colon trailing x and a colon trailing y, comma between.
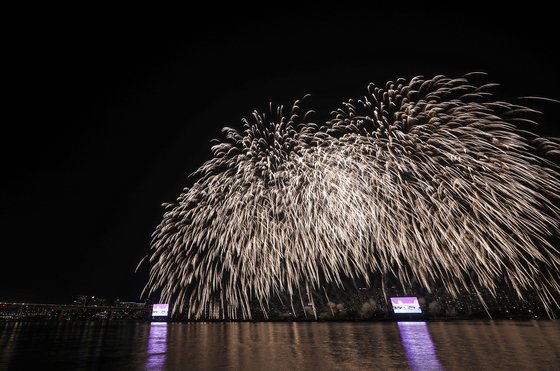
x: 160, y: 310
x: 406, y: 304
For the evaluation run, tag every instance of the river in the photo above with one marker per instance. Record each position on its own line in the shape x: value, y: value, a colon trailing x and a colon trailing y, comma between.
x: 461, y: 345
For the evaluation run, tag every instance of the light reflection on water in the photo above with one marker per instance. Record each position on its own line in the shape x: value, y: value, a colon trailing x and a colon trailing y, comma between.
x: 281, y: 346
x: 418, y: 345
x: 157, y: 346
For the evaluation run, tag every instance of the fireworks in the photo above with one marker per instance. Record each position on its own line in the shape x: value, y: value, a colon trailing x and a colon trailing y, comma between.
x: 430, y: 180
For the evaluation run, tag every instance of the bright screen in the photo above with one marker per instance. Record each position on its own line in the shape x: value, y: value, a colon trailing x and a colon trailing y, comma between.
x: 160, y: 310
x: 406, y: 305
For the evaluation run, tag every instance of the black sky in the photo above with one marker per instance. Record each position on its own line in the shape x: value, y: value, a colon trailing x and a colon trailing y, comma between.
x: 106, y: 114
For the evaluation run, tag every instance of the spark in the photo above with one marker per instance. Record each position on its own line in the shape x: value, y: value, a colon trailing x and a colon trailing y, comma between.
x: 432, y: 181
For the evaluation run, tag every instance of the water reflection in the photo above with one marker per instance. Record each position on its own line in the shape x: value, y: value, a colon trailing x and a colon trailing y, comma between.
x: 285, y: 346
x: 157, y: 346
x: 418, y: 345
x: 461, y: 345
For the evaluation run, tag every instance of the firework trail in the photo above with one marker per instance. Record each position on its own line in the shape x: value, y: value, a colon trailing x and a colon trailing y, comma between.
x: 431, y: 181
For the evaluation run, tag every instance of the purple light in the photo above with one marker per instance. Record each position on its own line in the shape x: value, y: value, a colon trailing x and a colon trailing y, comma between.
x: 157, y: 346
x: 418, y: 345
x: 160, y: 310
x: 406, y: 304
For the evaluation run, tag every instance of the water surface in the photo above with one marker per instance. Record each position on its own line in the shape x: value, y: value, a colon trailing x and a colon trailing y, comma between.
x: 484, y: 345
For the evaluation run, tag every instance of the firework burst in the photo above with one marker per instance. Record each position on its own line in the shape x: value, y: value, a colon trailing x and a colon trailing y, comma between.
x: 431, y: 181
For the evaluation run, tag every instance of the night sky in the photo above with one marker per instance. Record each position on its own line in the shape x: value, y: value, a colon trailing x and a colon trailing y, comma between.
x: 105, y: 116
